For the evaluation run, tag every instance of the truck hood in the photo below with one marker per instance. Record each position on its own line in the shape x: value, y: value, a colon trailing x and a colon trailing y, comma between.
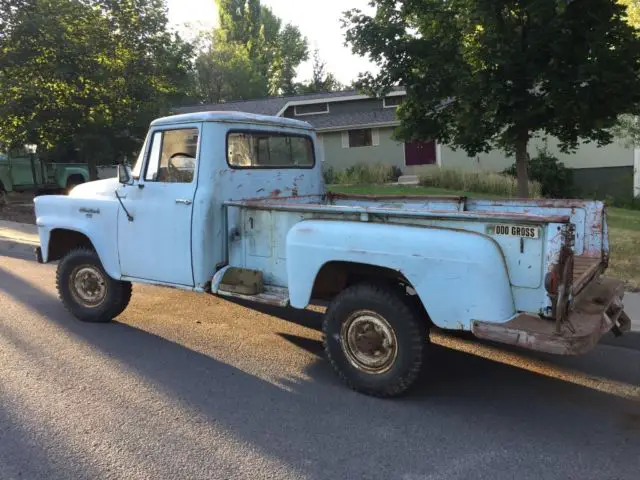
x: 98, y: 188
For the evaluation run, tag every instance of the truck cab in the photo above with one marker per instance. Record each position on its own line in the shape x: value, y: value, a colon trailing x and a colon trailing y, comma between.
x: 234, y: 205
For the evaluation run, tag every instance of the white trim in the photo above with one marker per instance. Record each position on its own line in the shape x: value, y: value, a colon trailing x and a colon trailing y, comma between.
x: 345, y: 139
x: 375, y: 137
x: 636, y: 171
x: 438, y: 154
x: 328, y: 100
x: 358, y: 127
x: 295, y: 110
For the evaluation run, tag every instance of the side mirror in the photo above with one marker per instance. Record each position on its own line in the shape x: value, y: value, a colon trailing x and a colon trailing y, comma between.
x: 124, y: 174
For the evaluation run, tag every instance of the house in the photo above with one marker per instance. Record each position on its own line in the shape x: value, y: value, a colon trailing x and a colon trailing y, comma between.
x: 355, y: 128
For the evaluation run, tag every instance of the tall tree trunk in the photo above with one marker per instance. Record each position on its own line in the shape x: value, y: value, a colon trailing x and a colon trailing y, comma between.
x: 522, y: 164
x: 93, y: 168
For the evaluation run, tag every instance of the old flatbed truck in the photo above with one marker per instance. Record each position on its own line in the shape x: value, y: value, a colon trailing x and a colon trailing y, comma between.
x: 234, y: 205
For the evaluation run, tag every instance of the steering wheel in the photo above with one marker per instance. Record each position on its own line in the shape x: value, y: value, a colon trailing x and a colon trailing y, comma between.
x: 178, y: 154
x: 174, y: 172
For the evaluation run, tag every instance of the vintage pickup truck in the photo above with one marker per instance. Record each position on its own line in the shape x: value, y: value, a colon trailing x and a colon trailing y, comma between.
x: 234, y: 205
x: 22, y: 172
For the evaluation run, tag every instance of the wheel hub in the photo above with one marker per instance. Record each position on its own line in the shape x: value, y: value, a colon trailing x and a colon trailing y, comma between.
x: 369, y: 342
x: 88, y: 286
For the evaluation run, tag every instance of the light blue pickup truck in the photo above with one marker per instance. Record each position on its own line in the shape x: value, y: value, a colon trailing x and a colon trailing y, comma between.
x: 234, y: 205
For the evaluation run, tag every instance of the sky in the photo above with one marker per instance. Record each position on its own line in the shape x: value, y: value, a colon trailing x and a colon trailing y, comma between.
x: 319, y: 21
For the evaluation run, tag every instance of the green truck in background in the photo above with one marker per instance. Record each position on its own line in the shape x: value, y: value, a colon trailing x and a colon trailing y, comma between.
x: 24, y: 171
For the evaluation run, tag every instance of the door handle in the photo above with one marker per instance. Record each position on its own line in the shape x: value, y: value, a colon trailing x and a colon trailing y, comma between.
x: 183, y: 201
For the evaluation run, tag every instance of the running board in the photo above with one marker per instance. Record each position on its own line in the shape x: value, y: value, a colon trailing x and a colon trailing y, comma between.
x: 276, y: 296
x: 244, y: 284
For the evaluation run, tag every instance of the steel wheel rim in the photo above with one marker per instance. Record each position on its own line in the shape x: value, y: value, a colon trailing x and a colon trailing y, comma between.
x: 88, y: 286
x: 369, y: 342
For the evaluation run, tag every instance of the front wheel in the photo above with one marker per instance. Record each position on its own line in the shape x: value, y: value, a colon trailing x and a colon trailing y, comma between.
x: 375, y: 339
x: 86, y: 290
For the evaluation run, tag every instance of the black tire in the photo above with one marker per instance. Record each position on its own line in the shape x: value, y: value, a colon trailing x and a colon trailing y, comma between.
x: 107, y: 305
x: 407, y: 323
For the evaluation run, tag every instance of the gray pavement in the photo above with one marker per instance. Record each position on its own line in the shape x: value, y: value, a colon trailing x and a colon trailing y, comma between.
x: 192, y: 386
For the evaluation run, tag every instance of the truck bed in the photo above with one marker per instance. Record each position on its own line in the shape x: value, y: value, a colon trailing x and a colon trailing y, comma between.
x: 257, y: 229
x: 589, y: 217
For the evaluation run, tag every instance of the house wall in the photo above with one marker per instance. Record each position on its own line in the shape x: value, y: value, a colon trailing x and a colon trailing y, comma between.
x: 588, y: 155
x: 388, y: 151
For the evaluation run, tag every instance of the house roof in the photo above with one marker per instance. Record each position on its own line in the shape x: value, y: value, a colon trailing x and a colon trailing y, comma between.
x: 339, y: 121
x: 266, y: 106
x: 276, y: 106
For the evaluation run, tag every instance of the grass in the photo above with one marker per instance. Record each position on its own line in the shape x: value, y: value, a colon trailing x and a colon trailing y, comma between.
x: 480, y: 182
x: 624, y: 238
x: 624, y: 226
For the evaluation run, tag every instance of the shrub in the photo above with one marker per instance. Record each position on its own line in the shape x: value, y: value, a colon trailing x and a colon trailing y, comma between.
x: 476, y: 182
x: 555, y: 179
x: 329, y: 175
x: 361, y: 174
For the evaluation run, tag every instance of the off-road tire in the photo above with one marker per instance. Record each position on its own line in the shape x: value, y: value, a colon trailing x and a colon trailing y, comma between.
x: 409, y: 325
x: 117, y: 296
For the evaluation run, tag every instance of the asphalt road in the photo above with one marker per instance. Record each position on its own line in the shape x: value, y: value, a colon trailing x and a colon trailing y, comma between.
x: 188, y: 386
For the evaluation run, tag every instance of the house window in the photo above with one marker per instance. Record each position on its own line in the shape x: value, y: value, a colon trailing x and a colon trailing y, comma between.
x: 392, y: 102
x: 360, y: 138
x: 312, y: 109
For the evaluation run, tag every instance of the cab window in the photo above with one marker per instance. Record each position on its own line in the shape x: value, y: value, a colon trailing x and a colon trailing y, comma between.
x: 172, y: 156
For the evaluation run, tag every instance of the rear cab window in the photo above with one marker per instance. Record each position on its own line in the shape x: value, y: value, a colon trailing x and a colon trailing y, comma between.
x: 260, y: 149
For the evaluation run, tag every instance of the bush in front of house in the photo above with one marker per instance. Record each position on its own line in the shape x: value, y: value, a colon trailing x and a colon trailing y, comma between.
x: 555, y: 179
x: 476, y: 182
x: 362, y: 174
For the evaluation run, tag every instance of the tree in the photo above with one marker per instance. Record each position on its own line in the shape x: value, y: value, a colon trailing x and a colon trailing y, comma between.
x: 483, y: 74
x: 224, y: 71
x: 275, y: 50
x: 321, y: 81
x: 633, y: 11
x: 87, y: 76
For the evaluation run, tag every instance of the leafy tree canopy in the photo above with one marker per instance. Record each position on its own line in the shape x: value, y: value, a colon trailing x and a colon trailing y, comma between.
x: 87, y: 75
x: 251, y: 54
x: 482, y: 74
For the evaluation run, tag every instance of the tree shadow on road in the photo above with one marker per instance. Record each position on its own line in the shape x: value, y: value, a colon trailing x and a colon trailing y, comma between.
x: 469, y: 417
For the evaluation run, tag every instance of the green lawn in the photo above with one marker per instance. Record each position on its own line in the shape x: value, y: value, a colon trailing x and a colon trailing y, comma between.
x: 624, y: 227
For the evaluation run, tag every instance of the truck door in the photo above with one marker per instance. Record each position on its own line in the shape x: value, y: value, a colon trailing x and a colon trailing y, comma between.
x: 156, y: 245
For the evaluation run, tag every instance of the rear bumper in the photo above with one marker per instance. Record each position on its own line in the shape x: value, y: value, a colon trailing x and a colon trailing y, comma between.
x: 597, y: 310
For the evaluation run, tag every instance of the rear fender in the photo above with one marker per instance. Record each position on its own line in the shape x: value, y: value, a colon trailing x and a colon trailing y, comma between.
x: 459, y: 276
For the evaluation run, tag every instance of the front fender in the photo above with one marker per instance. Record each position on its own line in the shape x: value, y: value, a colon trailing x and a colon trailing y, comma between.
x: 64, y: 172
x: 92, y: 218
x: 460, y: 276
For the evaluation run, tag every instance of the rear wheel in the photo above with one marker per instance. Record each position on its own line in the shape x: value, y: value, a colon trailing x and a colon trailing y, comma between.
x: 375, y: 339
x: 87, y: 291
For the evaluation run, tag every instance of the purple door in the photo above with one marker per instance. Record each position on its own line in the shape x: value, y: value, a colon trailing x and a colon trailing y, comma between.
x: 420, y: 153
